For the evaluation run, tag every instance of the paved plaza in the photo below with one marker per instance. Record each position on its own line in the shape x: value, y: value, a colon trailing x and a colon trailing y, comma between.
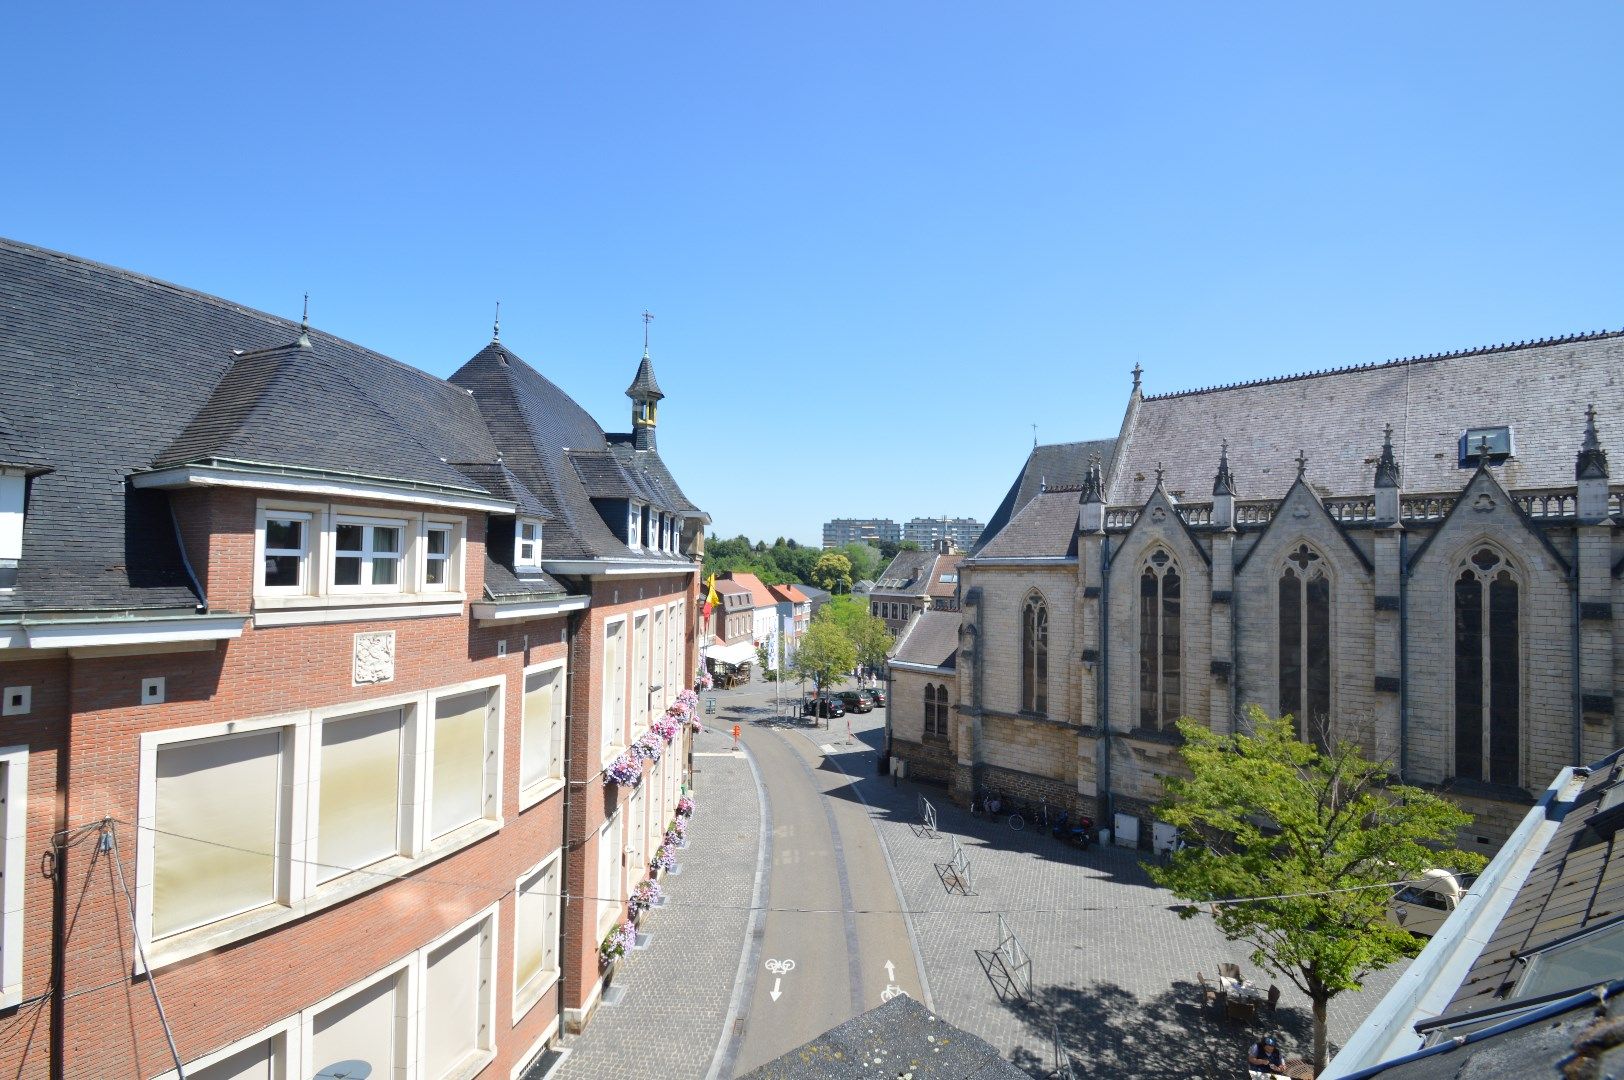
x: 1113, y: 966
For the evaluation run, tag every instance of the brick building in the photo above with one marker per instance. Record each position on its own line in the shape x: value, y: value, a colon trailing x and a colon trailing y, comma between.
x: 1422, y: 555
x: 915, y: 581
x: 311, y: 665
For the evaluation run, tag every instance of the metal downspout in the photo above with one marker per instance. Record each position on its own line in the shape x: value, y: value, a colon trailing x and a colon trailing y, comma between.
x: 572, y: 632
x: 1403, y: 655
x: 1573, y: 623
x: 1107, y: 817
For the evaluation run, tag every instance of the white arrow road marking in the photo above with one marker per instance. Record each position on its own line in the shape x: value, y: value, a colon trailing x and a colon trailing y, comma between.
x: 774, y: 992
x: 890, y: 972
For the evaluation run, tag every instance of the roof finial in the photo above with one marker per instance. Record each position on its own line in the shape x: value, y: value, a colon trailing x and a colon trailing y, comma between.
x: 647, y: 318
x: 1034, y: 436
x: 1223, y: 483
x: 1387, y: 470
x: 1592, y: 460
x: 1093, y: 482
x: 1137, y: 371
x: 496, y: 323
x: 304, y: 324
x: 1302, y: 462
x: 1158, y: 474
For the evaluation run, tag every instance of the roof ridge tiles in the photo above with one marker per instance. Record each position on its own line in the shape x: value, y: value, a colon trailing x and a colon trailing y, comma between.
x: 1478, y: 350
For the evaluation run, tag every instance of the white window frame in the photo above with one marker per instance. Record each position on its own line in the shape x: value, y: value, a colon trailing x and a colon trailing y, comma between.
x: 611, y: 853
x: 283, y: 1037
x: 612, y: 739
x: 367, y: 556
x: 485, y: 1045
x: 14, y: 820
x: 491, y: 801
x: 634, y: 525
x: 408, y: 987
x: 519, y: 541
x: 525, y: 997
x: 13, y: 508
x: 554, y: 780
x: 642, y: 654
x: 452, y: 557
x: 310, y: 519
x: 299, y: 893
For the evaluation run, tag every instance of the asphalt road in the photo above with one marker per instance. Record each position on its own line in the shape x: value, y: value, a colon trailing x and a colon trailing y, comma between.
x: 832, y: 921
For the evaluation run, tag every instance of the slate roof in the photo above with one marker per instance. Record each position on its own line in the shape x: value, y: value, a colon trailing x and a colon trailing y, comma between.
x: 1045, y: 528
x: 898, y: 1038
x: 931, y: 639
x: 906, y: 568
x: 561, y: 455
x: 1054, y: 464
x: 502, y: 584
x: 643, y: 384
x: 1539, y: 388
x: 725, y: 587
x: 1578, y: 882
x: 143, y: 359
x: 499, y: 480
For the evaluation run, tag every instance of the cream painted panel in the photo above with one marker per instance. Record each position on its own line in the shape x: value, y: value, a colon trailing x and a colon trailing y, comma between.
x: 459, y: 761
x: 451, y: 1004
x: 252, y: 1063
x: 360, y: 1028
x: 216, y: 818
x: 359, y: 817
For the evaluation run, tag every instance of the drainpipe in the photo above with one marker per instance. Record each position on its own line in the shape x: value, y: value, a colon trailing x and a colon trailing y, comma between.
x: 1107, y: 817
x: 1573, y: 647
x: 572, y: 631
x: 1404, y: 656
x: 59, y: 893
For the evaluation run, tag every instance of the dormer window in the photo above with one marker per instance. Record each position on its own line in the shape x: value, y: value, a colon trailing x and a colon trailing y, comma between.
x: 634, y: 520
x: 648, y: 527
x: 13, y: 485
x: 527, y: 543
x: 1499, y: 443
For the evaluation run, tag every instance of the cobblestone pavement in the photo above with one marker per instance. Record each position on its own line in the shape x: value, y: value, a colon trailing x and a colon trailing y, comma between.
x: 678, y: 988
x: 1113, y: 968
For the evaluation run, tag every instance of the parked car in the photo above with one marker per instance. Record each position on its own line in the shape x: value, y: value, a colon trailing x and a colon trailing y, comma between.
x: 823, y: 706
x: 876, y: 696
x: 1422, y: 905
x: 855, y: 701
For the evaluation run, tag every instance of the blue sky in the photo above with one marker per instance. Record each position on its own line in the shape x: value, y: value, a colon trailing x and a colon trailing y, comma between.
x: 880, y: 240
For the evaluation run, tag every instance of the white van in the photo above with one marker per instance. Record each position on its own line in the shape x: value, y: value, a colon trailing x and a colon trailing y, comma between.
x: 1422, y: 905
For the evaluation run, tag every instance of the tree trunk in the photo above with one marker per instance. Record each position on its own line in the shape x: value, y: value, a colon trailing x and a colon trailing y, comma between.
x: 1319, y: 1032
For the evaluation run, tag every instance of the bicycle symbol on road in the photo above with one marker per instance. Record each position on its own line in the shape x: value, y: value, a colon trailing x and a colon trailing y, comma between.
x: 780, y: 967
x: 891, y: 991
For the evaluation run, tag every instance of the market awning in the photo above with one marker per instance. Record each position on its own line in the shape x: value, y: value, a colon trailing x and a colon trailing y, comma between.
x: 740, y: 652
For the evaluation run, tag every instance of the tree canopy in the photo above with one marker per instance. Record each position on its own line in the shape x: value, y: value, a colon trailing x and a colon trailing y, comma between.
x: 832, y: 572
x: 1320, y: 836
x: 867, y: 634
x: 824, y: 655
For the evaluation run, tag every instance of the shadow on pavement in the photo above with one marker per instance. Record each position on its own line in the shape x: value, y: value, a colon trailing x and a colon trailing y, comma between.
x: 1110, y: 1032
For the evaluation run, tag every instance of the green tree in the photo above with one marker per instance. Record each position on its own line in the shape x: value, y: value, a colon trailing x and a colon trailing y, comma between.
x: 865, y: 560
x: 889, y: 548
x: 832, y: 572
x: 1319, y: 835
x: 825, y: 654
x: 868, y: 635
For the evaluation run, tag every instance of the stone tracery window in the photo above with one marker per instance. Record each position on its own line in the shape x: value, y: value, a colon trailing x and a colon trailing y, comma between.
x: 1305, y: 644
x: 1035, y: 656
x: 936, y: 710
x: 1160, y: 668
x: 1488, y: 677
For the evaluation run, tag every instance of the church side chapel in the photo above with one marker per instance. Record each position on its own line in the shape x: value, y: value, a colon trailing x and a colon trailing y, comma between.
x: 1422, y: 556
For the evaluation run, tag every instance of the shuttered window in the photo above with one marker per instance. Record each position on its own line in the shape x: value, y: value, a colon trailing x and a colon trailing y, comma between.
x: 359, y: 818
x: 216, y: 829
x: 543, y: 736
x: 535, y: 944
x: 364, y: 1027
x: 452, y: 1017
x: 458, y: 794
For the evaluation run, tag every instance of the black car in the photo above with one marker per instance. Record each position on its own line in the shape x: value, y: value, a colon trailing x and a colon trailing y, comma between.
x: 823, y: 706
x: 876, y: 696
x: 855, y: 701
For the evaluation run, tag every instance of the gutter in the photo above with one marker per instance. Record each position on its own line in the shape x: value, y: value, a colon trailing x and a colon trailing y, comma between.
x: 591, y: 568
x: 1430, y: 982
x: 116, y: 630
x: 1031, y: 560
x: 191, y: 575
x: 513, y: 610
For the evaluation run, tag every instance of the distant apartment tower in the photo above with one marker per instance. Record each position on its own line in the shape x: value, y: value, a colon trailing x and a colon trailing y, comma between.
x: 843, y: 531
x: 926, y: 531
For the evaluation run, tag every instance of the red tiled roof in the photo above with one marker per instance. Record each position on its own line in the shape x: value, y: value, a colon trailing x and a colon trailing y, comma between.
x: 759, y: 596
x: 788, y: 593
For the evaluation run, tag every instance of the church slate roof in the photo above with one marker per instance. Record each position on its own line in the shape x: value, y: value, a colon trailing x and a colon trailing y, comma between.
x: 1046, y: 528
x: 1053, y: 464
x: 643, y: 384
x: 930, y: 639
x: 143, y: 359
x: 543, y: 435
x: 1540, y: 389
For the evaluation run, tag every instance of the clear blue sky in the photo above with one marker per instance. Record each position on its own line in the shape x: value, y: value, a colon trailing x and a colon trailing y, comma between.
x: 880, y: 239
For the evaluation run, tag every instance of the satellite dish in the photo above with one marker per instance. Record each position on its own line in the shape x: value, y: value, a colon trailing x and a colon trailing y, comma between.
x: 345, y: 1070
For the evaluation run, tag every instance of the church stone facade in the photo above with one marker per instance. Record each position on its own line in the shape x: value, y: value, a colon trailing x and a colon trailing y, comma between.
x: 1422, y: 556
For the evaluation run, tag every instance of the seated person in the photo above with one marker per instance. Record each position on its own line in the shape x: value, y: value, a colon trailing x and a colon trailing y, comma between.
x: 1265, y: 1057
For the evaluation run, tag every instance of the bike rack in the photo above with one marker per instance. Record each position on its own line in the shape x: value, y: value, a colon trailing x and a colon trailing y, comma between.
x: 1007, y: 966
x: 927, y: 818
x: 955, y: 872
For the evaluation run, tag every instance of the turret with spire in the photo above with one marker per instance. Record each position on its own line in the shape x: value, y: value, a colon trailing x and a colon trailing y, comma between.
x: 1387, y: 480
x: 645, y: 394
x: 1091, y: 511
x: 1590, y: 469
x: 1223, y: 490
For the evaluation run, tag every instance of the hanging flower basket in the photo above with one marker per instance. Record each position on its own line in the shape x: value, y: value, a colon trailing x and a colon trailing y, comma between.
x: 662, y: 859
x: 648, y: 747
x: 667, y: 726
x: 626, y: 770
x: 616, y: 943
x: 689, y: 701
x: 685, y: 807
x: 648, y: 893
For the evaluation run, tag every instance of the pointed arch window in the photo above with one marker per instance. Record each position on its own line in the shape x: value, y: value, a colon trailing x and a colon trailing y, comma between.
x: 1488, y: 677
x: 1305, y: 644
x: 935, y: 711
x: 1035, y: 656
x: 1160, y: 669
